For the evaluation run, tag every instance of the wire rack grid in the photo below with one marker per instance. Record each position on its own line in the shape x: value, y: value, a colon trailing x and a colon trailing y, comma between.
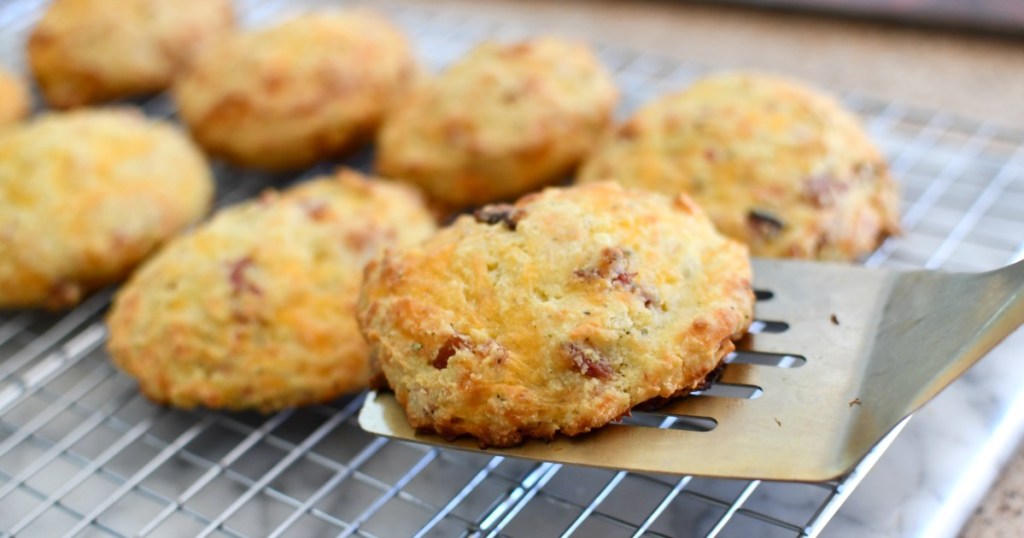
x: 83, y: 454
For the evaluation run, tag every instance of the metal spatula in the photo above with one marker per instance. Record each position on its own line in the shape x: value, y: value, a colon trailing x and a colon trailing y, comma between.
x: 841, y: 356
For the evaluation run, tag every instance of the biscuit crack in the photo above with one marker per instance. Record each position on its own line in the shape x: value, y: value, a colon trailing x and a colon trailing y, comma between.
x: 454, y: 343
x: 764, y: 224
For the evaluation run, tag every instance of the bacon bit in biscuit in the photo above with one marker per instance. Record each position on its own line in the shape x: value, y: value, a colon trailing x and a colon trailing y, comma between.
x: 458, y: 132
x: 613, y: 265
x: 64, y: 293
x: 684, y: 203
x: 629, y: 130
x: 519, y: 49
x: 316, y: 209
x: 506, y: 214
x: 267, y: 197
x: 626, y: 279
x: 333, y: 80
x: 822, y: 190
x: 764, y: 224
x: 454, y: 343
x: 239, y: 282
x: 227, y: 109
x: 527, y: 87
x: 41, y: 39
x: 710, y: 155
x: 365, y: 239
x: 121, y: 240
x: 649, y: 296
x: 273, y: 82
x: 587, y: 360
x: 866, y: 170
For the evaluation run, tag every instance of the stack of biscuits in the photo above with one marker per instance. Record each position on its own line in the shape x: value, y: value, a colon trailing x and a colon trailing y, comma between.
x: 589, y: 266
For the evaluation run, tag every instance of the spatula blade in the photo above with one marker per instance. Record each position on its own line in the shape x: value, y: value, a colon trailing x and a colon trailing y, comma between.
x: 808, y: 422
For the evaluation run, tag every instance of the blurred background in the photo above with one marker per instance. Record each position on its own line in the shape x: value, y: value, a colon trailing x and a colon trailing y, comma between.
x: 963, y: 56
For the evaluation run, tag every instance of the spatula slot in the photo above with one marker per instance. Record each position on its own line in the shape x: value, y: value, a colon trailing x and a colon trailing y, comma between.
x: 731, y: 390
x: 694, y: 423
x: 674, y: 422
x: 780, y: 360
x: 648, y: 420
x: 768, y: 326
x: 763, y: 295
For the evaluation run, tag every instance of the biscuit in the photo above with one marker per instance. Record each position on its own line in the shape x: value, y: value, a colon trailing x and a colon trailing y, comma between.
x: 85, y: 196
x: 87, y: 51
x: 779, y: 166
x: 504, y: 120
x: 14, y: 98
x: 555, y: 315
x: 288, y: 96
x: 256, y: 309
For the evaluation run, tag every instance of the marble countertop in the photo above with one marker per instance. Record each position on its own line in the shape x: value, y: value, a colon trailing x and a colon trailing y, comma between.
x: 942, y: 464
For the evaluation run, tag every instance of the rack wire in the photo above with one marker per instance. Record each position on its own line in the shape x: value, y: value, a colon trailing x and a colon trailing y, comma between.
x: 82, y: 453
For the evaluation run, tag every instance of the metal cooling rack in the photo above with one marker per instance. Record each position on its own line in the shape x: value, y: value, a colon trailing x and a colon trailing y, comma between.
x: 82, y: 453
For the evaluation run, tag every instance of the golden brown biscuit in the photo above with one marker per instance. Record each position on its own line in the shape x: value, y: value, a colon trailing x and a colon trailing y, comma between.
x: 14, y: 98
x: 504, y: 120
x: 555, y: 315
x: 87, y: 51
x: 256, y: 309
x: 290, y: 95
x: 85, y: 196
x: 775, y: 164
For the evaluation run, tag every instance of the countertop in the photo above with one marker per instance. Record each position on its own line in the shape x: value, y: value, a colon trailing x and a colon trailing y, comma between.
x: 939, y: 469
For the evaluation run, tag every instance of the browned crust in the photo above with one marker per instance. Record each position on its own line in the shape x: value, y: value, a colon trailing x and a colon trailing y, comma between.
x: 451, y: 431
x: 535, y: 334
x: 658, y: 402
